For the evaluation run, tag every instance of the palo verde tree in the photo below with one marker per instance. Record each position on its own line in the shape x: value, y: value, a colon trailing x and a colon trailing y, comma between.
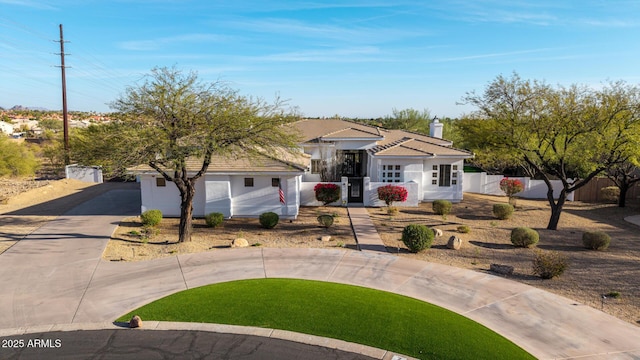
x: 567, y: 133
x: 180, y: 120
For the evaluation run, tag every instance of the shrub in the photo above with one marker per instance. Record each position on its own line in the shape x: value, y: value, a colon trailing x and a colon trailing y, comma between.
x: 465, y: 229
x: 327, y: 193
x: 325, y: 220
x: 511, y: 186
x: 502, y: 211
x: 392, y: 211
x: 524, y: 237
x: 269, y: 220
x: 595, y: 240
x: 610, y: 193
x: 214, y: 219
x: 392, y: 193
x: 549, y: 264
x: 417, y: 237
x: 441, y: 207
x: 151, y: 217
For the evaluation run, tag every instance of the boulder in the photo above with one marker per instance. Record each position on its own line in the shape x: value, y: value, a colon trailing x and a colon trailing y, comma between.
x: 326, y: 238
x: 135, y: 322
x: 437, y: 232
x: 239, y: 242
x: 501, y: 269
x: 454, y: 243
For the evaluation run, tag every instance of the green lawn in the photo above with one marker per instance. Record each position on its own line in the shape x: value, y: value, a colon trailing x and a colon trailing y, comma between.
x: 356, y: 314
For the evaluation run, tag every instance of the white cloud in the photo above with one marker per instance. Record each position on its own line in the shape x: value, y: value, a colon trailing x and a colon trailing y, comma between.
x: 155, y: 44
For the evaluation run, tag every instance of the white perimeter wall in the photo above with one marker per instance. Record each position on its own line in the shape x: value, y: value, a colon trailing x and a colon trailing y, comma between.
x: 84, y: 173
x: 481, y: 183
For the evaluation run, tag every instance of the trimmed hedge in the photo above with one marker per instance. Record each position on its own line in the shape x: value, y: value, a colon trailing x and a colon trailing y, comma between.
x: 502, y: 211
x: 151, y: 217
x: 214, y: 219
x: 417, y: 237
x: 524, y: 237
x: 595, y: 240
x: 269, y: 220
x: 441, y: 207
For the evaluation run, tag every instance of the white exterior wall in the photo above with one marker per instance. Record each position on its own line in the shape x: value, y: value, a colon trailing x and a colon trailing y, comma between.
x: 481, y: 183
x: 432, y: 192
x: 354, y: 144
x: 217, y: 190
x: 84, y: 173
x: 224, y: 194
x: 371, y: 193
x: 262, y: 197
x: 6, y: 128
x: 165, y: 199
x: 308, y: 196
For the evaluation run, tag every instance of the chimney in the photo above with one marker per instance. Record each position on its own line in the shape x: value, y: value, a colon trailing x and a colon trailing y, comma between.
x: 436, y: 128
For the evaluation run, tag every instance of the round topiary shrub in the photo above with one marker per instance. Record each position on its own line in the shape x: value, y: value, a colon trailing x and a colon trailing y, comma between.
x: 214, y: 219
x: 549, y: 264
x: 524, y: 237
x: 269, y: 220
x: 595, y: 240
x: 325, y: 220
x: 151, y: 217
x: 441, y: 207
x: 327, y: 193
x: 502, y: 211
x: 417, y: 237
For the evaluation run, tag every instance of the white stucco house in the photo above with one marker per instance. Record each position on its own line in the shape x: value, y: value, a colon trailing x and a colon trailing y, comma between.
x: 358, y: 157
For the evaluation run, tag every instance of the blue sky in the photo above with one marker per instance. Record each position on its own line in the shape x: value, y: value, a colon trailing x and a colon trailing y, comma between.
x: 349, y: 58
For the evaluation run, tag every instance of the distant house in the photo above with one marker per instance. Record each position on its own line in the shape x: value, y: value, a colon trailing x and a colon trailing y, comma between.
x: 6, y: 128
x: 358, y: 157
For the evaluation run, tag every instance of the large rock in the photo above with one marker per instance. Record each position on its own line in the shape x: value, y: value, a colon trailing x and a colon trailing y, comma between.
x: 501, y: 269
x: 135, y: 322
x: 239, y: 242
x: 436, y: 232
x: 454, y: 243
x: 326, y: 238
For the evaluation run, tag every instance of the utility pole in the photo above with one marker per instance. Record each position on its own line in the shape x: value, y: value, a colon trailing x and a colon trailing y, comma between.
x: 65, y: 116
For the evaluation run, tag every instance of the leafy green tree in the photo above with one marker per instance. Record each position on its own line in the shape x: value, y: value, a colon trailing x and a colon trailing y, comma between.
x: 567, y: 133
x: 408, y: 119
x: 16, y: 159
x: 51, y: 124
x: 176, y: 117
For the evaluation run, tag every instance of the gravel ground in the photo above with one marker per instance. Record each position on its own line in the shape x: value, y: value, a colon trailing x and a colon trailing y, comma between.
x: 590, y: 274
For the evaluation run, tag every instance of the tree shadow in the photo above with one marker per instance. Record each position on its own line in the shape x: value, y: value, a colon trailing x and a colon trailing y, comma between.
x: 492, y: 245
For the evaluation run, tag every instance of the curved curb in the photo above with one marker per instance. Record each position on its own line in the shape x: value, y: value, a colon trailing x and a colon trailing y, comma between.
x: 218, y: 328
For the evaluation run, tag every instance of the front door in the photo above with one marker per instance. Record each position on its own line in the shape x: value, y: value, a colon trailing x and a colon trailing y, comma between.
x: 355, y: 190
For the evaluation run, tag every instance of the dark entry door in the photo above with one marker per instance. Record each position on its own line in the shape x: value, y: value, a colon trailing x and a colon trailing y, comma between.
x: 355, y: 190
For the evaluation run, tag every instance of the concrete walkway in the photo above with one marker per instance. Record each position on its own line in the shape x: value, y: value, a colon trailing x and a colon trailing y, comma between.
x: 366, y: 235
x: 56, y: 277
x: 634, y: 219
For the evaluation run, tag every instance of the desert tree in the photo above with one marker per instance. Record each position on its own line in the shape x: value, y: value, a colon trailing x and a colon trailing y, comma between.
x: 567, y: 133
x: 178, y: 118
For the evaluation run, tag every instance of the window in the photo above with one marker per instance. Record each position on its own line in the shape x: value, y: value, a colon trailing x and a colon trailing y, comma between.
x: 445, y: 175
x: 435, y: 168
x: 434, y: 182
x: 275, y: 182
x: 161, y: 182
x: 316, y: 166
x: 435, y: 174
x: 248, y: 182
x: 455, y: 167
x: 392, y: 176
x: 454, y: 175
x: 454, y: 182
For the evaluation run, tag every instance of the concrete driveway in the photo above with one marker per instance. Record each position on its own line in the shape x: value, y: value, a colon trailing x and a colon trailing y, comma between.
x: 56, y: 276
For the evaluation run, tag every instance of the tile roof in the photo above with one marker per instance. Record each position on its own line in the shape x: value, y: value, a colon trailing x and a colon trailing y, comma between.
x: 241, y: 164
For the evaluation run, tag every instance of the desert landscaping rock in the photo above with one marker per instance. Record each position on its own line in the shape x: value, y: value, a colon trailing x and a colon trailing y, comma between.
x: 437, y: 232
x: 135, y: 322
x: 239, y: 242
x: 501, y: 269
x: 326, y: 238
x: 454, y: 243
